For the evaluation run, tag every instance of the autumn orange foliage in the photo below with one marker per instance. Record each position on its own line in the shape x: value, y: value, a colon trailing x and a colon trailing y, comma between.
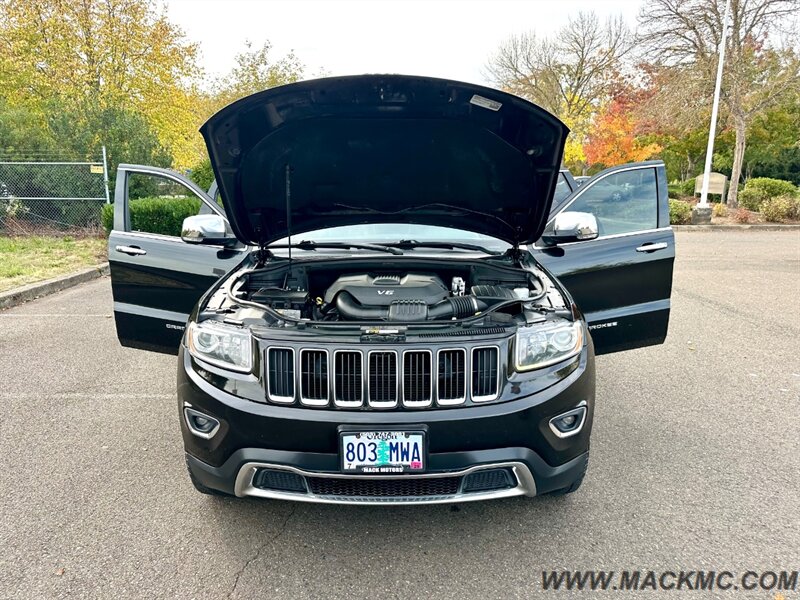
x: 612, y: 139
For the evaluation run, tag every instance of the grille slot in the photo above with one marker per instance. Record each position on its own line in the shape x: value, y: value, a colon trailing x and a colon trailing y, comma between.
x: 417, y: 378
x: 485, y: 371
x: 383, y: 379
x: 422, y: 487
x: 451, y: 380
x: 280, y: 376
x: 348, y: 382
x: 314, y: 377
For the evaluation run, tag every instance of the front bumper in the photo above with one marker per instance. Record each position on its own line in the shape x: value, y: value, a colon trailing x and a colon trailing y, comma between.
x: 302, y: 443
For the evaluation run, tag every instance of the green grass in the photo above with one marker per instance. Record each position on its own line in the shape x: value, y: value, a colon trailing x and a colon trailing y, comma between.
x: 28, y: 259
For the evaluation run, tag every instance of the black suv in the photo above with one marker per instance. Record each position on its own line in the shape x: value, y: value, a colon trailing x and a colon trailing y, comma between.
x: 389, y: 308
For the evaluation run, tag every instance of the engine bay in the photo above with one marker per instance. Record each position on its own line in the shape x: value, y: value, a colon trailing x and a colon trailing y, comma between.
x: 392, y: 291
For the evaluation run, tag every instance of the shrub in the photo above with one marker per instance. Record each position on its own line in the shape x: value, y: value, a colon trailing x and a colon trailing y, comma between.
x: 155, y: 215
x: 674, y: 190
x: 771, y: 188
x: 751, y: 199
x: 107, y: 217
x: 719, y: 210
x: 743, y: 215
x: 680, y: 212
x: 687, y: 187
x: 781, y: 209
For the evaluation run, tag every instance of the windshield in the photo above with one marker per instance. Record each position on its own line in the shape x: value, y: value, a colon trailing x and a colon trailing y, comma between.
x: 384, y: 233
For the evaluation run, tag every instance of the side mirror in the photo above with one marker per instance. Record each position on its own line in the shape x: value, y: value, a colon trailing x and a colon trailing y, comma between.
x: 571, y: 227
x: 207, y: 229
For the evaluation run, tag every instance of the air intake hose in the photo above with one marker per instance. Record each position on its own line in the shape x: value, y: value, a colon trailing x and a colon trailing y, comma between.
x: 457, y: 306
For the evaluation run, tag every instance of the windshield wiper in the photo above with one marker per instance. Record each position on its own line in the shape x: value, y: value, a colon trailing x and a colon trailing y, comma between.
x: 311, y: 245
x: 408, y: 244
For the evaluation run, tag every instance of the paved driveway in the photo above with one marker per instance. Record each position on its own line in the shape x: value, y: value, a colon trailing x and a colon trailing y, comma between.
x: 695, y: 462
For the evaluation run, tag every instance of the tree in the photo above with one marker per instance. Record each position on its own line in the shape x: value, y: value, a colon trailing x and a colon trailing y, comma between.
x: 255, y: 71
x: 98, y: 71
x: 613, y: 140
x: 682, y: 38
x: 569, y: 74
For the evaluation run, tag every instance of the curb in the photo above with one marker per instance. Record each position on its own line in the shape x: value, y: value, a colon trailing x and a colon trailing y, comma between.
x: 50, y: 286
x: 755, y: 227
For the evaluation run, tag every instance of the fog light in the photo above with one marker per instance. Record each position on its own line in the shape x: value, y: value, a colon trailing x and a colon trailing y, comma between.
x: 569, y: 423
x: 201, y: 425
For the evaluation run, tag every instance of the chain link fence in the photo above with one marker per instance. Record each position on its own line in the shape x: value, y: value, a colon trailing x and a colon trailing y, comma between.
x: 49, y: 193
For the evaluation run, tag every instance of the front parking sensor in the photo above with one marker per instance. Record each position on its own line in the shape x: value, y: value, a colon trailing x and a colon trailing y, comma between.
x: 202, y: 425
x: 569, y: 423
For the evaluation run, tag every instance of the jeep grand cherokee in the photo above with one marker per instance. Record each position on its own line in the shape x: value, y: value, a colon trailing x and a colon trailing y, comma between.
x: 383, y: 304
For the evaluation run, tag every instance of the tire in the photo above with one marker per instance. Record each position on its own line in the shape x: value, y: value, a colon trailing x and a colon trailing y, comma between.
x: 573, y: 487
x: 200, y: 487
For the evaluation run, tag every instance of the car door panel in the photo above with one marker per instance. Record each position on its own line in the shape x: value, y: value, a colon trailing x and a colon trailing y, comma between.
x: 156, y: 279
x: 621, y: 282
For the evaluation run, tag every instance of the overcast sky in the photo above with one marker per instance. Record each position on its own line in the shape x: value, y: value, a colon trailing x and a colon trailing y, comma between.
x: 446, y: 38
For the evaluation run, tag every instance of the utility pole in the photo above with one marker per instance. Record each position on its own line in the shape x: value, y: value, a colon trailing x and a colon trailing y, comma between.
x: 703, y: 206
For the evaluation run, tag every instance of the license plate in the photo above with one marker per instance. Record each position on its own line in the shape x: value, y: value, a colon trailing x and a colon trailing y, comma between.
x: 383, y: 451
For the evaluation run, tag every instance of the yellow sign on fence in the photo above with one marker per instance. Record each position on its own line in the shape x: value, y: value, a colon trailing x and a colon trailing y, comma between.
x: 96, y: 169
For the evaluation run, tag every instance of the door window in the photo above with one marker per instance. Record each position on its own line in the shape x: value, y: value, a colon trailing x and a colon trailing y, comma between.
x: 562, y: 189
x: 622, y: 202
x: 158, y: 204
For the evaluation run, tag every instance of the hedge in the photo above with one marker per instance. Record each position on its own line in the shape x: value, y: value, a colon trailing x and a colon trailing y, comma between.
x: 680, y: 213
x: 771, y: 188
x: 751, y: 198
x: 783, y: 208
x: 155, y: 215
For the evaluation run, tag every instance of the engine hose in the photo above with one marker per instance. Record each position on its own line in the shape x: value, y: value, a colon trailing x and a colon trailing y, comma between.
x: 457, y: 306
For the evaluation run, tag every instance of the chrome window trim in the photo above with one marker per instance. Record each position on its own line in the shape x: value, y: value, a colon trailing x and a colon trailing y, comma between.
x: 467, y: 369
x: 384, y: 404
x: 606, y: 237
x: 416, y: 403
x: 526, y: 485
x: 348, y: 403
x: 281, y: 399
x: 497, y: 384
x: 299, y: 373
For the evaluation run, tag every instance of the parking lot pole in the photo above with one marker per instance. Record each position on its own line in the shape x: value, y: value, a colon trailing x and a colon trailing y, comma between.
x: 715, y: 108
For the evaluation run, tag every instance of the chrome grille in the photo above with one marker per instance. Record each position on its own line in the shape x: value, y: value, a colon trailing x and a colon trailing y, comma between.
x: 485, y: 373
x: 314, y: 377
x: 417, y: 379
x: 354, y: 378
x: 451, y: 376
x: 348, y: 382
x: 280, y: 368
x: 382, y: 379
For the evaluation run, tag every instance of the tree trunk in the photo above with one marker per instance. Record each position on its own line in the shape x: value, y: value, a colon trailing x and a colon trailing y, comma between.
x: 738, y: 156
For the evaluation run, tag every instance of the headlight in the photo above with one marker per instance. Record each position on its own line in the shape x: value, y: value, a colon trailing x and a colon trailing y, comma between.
x: 224, y: 345
x: 544, y: 344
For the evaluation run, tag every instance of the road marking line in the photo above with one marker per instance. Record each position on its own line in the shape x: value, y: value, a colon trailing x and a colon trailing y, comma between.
x: 71, y: 315
x: 82, y: 395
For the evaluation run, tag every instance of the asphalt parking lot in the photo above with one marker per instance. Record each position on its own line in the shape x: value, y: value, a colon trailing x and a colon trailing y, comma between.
x: 695, y: 463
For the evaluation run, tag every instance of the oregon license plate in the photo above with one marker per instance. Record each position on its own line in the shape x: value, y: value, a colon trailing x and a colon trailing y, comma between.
x: 383, y: 451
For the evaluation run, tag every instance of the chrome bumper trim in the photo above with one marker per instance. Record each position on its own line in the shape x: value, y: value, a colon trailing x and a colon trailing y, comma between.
x: 526, y: 486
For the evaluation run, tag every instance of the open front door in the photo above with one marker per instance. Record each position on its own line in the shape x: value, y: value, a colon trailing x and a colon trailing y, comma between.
x: 621, y: 280
x: 156, y: 278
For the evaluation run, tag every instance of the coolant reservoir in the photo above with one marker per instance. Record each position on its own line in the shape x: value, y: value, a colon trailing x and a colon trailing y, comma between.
x: 522, y: 293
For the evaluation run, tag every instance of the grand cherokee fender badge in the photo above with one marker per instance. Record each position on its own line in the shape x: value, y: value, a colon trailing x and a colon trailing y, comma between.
x: 603, y: 325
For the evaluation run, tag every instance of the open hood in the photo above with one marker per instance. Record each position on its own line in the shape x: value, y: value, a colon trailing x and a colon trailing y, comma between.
x: 385, y: 149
